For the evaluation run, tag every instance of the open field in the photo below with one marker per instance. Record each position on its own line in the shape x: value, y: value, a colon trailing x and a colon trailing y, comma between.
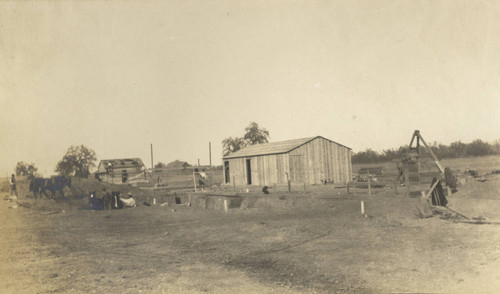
x: 483, y: 164
x: 301, y: 242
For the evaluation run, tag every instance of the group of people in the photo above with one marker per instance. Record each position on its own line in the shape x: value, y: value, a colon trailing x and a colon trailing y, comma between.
x: 110, y: 200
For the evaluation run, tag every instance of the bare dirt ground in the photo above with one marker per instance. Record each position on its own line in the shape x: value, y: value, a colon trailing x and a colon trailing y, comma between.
x: 314, y: 242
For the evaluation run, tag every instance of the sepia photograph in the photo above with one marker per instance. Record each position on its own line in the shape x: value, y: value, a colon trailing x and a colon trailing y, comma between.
x: 250, y: 146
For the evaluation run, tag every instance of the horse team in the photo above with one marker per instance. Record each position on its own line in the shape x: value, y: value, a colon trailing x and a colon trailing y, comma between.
x: 40, y: 186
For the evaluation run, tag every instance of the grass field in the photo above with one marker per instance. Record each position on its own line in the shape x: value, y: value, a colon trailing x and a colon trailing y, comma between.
x: 483, y: 164
x: 313, y: 241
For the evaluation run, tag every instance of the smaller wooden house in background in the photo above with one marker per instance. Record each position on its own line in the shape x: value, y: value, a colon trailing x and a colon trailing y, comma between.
x: 120, y: 170
x: 311, y: 160
x: 177, y: 165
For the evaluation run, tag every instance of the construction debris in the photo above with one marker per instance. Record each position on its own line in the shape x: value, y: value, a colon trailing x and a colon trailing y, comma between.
x: 423, y: 209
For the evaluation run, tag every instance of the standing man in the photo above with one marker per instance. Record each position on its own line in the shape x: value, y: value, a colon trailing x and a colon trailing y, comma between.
x: 107, y: 198
x: 13, y: 187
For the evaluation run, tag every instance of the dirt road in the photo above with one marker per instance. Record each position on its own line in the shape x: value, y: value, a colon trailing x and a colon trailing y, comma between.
x: 323, y: 247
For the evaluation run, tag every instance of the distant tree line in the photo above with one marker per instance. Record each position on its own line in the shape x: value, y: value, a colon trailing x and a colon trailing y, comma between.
x: 454, y: 150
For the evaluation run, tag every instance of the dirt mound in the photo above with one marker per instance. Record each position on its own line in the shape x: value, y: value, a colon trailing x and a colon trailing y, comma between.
x: 81, y: 187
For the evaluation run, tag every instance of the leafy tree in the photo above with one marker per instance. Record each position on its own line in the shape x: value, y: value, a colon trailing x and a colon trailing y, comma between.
x: 24, y: 169
x: 367, y: 156
x: 495, y: 148
x: 478, y: 148
x: 458, y: 149
x: 160, y: 165
x: 230, y: 145
x: 77, y: 161
x: 253, y: 135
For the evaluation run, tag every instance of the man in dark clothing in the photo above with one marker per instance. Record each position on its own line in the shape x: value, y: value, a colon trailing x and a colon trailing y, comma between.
x: 13, y: 186
x: 438, y: 197
x: 451, y: 181
x: 107, y: 199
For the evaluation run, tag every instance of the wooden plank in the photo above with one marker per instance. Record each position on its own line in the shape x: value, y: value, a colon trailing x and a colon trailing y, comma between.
x: 432, y: 189
x: 415, y: 134
x: 436, y: 161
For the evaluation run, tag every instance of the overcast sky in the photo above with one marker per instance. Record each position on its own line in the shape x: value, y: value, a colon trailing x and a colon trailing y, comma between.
x: 117, y: 76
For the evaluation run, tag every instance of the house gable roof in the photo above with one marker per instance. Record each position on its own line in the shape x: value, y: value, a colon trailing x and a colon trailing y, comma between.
x: 177, y: 164
x: 273, y: 148
x: 121, y: 162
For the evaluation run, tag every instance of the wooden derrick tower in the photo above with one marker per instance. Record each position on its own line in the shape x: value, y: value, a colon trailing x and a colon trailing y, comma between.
x: 410, y: 165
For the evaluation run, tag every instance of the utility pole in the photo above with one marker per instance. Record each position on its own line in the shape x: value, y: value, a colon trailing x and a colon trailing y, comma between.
x: 152, y: 158
x: 210, y: 162
x: 210, y: 153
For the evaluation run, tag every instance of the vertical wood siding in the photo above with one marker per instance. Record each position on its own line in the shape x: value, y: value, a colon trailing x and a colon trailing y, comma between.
x: 317, y: 160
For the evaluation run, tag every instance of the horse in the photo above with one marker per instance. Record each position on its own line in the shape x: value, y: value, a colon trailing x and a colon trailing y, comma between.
x: 105, y: 200
x: 39, y: 186
x: 57, y: 183
x: 94, y: 202
x: 54, y: 184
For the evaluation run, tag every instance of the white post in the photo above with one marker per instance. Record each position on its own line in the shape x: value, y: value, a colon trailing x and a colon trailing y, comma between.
x: 362, y: 207
x: 225, y: 205
x: 154, y: 201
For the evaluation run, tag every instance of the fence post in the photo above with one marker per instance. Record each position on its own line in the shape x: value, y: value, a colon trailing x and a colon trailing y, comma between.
x: 194, y: 181
x: 369, y: 187
x: 226, y: 207
x: 362, y: 207
x: 234, y: 185
x: 407, y: 179
x: 288, y: 181
x: 347, y: 187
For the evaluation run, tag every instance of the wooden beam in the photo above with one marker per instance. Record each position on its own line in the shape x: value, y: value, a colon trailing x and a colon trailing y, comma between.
x: 454, y: 211
x: 418, y: 144
x: 436, y: 161
x: 432, y: 189
x: 415, y: 134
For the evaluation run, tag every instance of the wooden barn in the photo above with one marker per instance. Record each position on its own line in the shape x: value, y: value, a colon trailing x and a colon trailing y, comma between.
x: 120, y: 170
x: 309, y: 160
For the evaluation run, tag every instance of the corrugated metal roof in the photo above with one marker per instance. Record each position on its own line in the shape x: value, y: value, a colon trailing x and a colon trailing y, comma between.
x: 273, y: 148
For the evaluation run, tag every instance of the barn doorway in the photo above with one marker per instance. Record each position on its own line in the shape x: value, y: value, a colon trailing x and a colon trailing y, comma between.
x: 227, y: 177
x: 249, y: 172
